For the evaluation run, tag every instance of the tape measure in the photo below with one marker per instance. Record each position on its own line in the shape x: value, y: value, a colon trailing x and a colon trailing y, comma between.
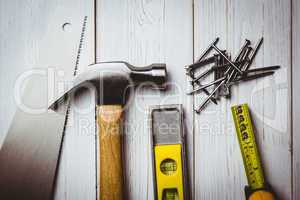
x: 168, y: 152
x: 257, y: 188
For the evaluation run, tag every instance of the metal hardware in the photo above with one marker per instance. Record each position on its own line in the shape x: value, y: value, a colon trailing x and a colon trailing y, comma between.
x: 218, y: 71
x: 168, y: 152
x: 207, y: 99
x: 111, y: 81
x: 245, y: 77
x: 252, y: 57
x: 251, y: 77
x: 228, y: 60
x: 189, y: 68
x: 218, y: 60
x: 208, y: 49
x: 207, y: 85
x: 222, y: 84
x: 207, y: 93
x: 227, y: 72
x: 30, y: 154
x: 243, y: 59
x: 201, y: 63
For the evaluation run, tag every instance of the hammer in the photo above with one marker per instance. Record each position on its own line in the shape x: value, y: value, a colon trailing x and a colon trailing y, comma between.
x: 114, y: 82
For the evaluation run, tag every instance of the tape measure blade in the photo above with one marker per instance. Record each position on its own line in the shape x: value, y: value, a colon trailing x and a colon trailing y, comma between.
x: 246, y: 139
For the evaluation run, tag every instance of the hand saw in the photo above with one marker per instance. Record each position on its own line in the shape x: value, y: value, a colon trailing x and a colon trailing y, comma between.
x: 30, y: 153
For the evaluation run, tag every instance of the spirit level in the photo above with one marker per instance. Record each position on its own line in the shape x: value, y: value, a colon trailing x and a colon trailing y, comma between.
x: 168, y: 152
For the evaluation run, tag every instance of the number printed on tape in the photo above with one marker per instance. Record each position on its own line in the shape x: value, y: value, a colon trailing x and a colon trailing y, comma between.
x: 248, y: 147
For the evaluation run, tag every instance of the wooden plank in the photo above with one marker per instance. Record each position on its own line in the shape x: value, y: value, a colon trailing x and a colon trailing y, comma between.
x: 222, y: 174
x: 34, y: 37
x: 160, y: 31
x: 144, y: 32
x: 296, y: 98
x: 215, y: 144
x: 77, y: 170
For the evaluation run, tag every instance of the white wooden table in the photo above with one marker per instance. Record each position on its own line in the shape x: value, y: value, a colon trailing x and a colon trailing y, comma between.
x: 174, y: 32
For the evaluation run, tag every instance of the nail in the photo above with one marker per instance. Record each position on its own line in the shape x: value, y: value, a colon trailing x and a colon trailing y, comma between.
x: 225, y: 57
x: 206, y: 85
x: 208, y: 98
x: 257, y: 47
x: 208, y: 49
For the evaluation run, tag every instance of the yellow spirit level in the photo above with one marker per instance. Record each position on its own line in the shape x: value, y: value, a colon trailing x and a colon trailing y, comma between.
x: 168, y: 152
x: 257, y: 188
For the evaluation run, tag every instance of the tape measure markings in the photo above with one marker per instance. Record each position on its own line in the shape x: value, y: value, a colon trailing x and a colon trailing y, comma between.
x: 246, y: 138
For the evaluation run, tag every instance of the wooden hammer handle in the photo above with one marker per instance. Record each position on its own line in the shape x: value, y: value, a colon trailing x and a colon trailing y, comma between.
x: 109, y: 119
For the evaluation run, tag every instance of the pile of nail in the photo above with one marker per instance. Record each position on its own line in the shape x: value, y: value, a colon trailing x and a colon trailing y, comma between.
x: 226, y: 72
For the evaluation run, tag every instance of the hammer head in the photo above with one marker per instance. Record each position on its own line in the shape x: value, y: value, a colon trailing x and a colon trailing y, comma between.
x: 113, y: 79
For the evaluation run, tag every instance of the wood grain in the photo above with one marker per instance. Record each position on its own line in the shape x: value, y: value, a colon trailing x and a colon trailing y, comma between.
x: 216, y: 147
x: 296, y: 98
x: 222, y: 174
x: 110, y: 125
x: 145, y: 32
x: 77, y: 171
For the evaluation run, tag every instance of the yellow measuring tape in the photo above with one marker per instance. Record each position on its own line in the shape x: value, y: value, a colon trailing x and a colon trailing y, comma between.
x: 251, y: 159
x: 248, y: 147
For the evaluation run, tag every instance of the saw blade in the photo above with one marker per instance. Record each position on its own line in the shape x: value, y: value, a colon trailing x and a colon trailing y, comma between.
x: 31, y: 150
